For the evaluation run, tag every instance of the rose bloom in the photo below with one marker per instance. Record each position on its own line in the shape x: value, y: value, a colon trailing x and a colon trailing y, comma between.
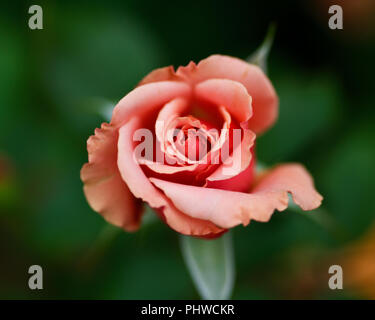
x: 204, y: 195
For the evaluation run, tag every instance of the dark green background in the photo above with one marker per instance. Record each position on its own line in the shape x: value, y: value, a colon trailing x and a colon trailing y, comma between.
x: 53, y: 80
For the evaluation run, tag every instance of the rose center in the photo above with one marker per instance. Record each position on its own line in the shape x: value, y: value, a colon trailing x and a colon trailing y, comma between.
x: 193, y: 142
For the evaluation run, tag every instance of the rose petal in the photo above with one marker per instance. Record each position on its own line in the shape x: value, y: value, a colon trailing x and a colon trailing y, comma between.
x: 104, y: 189
x: 227, y: 209
x: 241, y: 155
x: 169, y: 112
x: 264, y: 98
x: 161, y: 74
x: 187, y: 225
x: 129, y: 169
x: 293, y: 178
x: 238, y: 182
x: 230, y: 94
x: 147, y: 98
x: 167, y: 169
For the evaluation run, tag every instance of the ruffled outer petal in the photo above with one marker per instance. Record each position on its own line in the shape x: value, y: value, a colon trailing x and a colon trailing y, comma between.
x: 103, y: 187
x: 227, y: 209
x: 293, y: 178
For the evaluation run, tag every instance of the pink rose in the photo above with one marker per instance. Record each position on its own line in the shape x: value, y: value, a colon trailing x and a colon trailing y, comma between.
x: 216, y: 188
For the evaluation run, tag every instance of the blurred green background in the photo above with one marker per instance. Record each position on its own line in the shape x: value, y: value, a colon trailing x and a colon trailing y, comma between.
x: 89, y: 52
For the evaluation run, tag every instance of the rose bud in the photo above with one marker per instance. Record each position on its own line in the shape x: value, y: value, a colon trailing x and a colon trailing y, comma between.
x: 183, y: 141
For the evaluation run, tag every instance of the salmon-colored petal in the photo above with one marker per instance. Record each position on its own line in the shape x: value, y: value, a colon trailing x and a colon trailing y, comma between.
x: 142, y: 188
x: 241, y: 181
x: 169, y: 112
x: 264, y: 98
x: 144, y: 99
x: 104, y: 189
x: 227, y: 209
x: 238, y: 161
x: 189, y: 73
x: 130, y: 170
x: 188, y: 225
x: 230, y: 94
x: 293, y: 178
x: 167, y: 169
x: 160, y: 74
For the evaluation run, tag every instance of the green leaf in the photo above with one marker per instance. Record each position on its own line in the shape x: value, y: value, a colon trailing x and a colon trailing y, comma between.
x: 211, y: 265
x: 259, y: 57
